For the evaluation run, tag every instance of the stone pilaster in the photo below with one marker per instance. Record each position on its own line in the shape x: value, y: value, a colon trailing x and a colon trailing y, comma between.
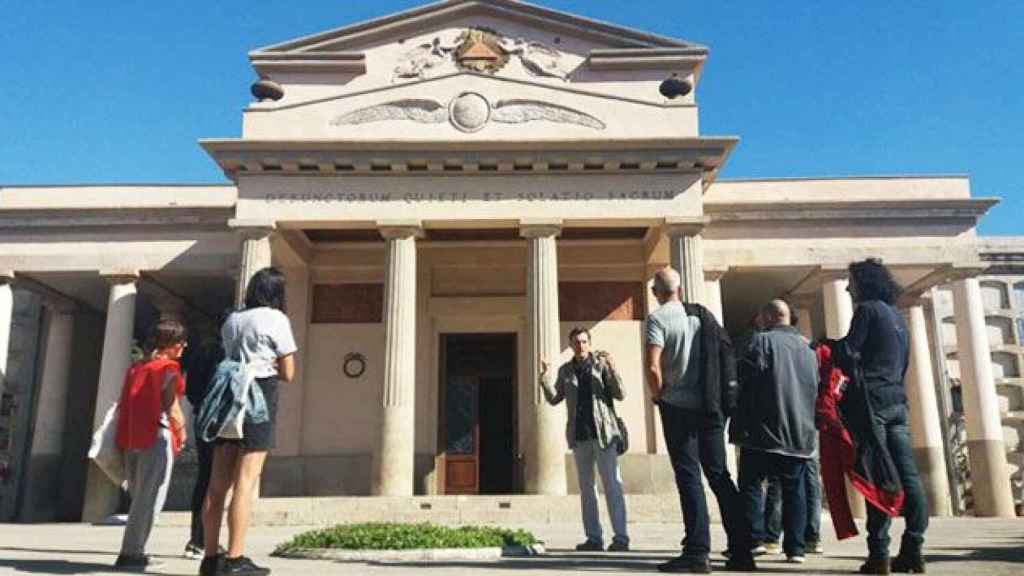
x: 6, y: 319
x: 838, y: 315
x: 990, y: 478
x: 925, y: 426
x: 713, y: 302
x: 101, y: 495
x: 395, y: 455
x: 256, y: 253
x: 686, y: 249
x: 713, y: 292
x: 545, y: 446
x: 42, y: 491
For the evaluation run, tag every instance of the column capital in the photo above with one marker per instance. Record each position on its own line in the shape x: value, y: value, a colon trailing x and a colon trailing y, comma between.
x: 715, y: 273
x: 540, y: 227
x: 115, y: 276
x: 802, y: 301
x: 252, y: 229
x: 6, y: 277
x: 679, y: 226
x: 832, y: 273
x: 400, y: 229
x: 914, y: 301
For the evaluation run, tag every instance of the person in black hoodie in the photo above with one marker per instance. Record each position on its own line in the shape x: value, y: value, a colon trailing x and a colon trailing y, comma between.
x: 877, y: 350
x: 200, y: 364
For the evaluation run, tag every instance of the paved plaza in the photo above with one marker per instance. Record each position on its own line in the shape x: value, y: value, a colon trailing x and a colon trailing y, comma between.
x: 965, y: 547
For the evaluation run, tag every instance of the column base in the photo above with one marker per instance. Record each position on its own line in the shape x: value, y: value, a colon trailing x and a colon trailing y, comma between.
x: 990, y: 479
x: 931, y: 465
x: 101, y: 496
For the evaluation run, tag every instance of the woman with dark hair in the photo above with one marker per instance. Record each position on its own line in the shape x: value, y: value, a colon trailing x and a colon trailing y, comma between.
x: 259, y: 336
x: 877, y: 350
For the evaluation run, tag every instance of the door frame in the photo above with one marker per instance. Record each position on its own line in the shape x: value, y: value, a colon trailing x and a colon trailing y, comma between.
x: 440, y: 365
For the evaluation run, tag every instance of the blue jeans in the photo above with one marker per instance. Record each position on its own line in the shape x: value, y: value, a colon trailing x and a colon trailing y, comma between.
x: 891, y: 422
x: 696, y: 443
x: 755, y: 467
x: 773, y: 506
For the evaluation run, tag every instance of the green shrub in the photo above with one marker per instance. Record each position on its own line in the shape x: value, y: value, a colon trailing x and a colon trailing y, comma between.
x: 392, y: 536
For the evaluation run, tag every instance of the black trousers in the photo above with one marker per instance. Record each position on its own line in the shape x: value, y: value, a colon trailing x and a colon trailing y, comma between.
x: 205, y: 453
x: 696, y: 442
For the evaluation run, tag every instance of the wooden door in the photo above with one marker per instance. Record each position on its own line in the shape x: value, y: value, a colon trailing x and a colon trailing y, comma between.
x: 462, y: 435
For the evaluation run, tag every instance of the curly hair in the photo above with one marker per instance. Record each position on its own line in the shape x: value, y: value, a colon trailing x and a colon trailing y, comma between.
x: 874, y: 281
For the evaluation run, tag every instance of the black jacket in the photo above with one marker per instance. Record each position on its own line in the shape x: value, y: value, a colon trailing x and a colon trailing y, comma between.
x: 878, y: 344
x: 717, y: 365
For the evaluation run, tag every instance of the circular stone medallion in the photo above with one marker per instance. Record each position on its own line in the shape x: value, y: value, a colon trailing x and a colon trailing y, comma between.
x: 469, y: 111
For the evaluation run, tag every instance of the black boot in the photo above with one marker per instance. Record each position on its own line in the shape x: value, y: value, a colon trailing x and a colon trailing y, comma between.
x: 875, y: 566
x: 908, y: 563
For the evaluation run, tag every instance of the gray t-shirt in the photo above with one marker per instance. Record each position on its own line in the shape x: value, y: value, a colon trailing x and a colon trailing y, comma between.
x: 677, y: 333
x: 263, y: 335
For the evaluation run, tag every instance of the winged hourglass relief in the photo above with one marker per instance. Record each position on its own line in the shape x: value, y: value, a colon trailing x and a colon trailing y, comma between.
x: 469, y: 112
x: 480, y: 50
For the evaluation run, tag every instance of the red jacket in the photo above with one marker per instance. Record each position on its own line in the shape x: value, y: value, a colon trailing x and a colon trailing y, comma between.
x: 838, y: 454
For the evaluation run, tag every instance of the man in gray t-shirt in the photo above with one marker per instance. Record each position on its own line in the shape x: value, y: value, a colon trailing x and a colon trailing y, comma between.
x: 677, y: 333
x: 679, y: 367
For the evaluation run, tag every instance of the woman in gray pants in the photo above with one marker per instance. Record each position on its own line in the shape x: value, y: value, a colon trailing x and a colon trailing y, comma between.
x: 589, y: 384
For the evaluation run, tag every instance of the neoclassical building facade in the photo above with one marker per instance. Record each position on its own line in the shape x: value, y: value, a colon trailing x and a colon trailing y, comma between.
x: 449, y: 190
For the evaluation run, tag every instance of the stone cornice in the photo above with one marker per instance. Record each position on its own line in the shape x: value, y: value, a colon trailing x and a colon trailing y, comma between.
x: 401, y: 24
x: 856, y: 209
x: 703, y: 155
x: 149, y: 218
x: 270, y: 63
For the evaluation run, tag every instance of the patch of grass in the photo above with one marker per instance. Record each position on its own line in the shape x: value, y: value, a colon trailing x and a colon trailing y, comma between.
x: 394, y: 536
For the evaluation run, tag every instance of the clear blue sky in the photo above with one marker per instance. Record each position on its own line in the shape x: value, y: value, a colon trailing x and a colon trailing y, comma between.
x: 120, y: 91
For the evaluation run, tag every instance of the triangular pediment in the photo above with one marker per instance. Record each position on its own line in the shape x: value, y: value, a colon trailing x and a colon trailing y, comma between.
x: 402, y: 24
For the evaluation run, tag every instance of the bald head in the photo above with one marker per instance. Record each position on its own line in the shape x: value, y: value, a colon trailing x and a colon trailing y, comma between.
x: 775, y: 313
x: 666, y: 283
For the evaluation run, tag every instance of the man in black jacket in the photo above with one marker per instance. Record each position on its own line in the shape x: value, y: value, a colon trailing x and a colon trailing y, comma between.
x: 691, y: 376
x: 775, y: 421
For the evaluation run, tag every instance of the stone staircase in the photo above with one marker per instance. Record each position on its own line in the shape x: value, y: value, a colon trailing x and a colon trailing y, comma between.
x: 504, y: 510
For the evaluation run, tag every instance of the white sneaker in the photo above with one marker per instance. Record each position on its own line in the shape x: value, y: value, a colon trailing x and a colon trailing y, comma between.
x: 796, y: 559
x: 758, y: 550
x: 772, y: 548
x: 815, y: 548
x: 193, y: 552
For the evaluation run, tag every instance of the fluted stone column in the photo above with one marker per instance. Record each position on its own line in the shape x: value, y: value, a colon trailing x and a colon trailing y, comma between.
x: 925, y: 426
x: 545, y: 447
x: 395, y: 455
x: 101, y: 495
x: 838, y: 315
x: 6, y: 319
x: 256, y: 253
x: 990, y: 478
x: 686, y: 250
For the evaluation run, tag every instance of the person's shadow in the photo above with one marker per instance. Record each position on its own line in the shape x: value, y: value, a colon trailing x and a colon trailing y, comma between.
x: 54, y: 566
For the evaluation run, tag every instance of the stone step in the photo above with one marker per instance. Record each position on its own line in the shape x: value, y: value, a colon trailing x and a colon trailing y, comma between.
x: 504, y: 510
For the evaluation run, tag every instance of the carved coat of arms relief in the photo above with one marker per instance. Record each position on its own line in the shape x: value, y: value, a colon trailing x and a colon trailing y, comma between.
x: 479, y: 50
